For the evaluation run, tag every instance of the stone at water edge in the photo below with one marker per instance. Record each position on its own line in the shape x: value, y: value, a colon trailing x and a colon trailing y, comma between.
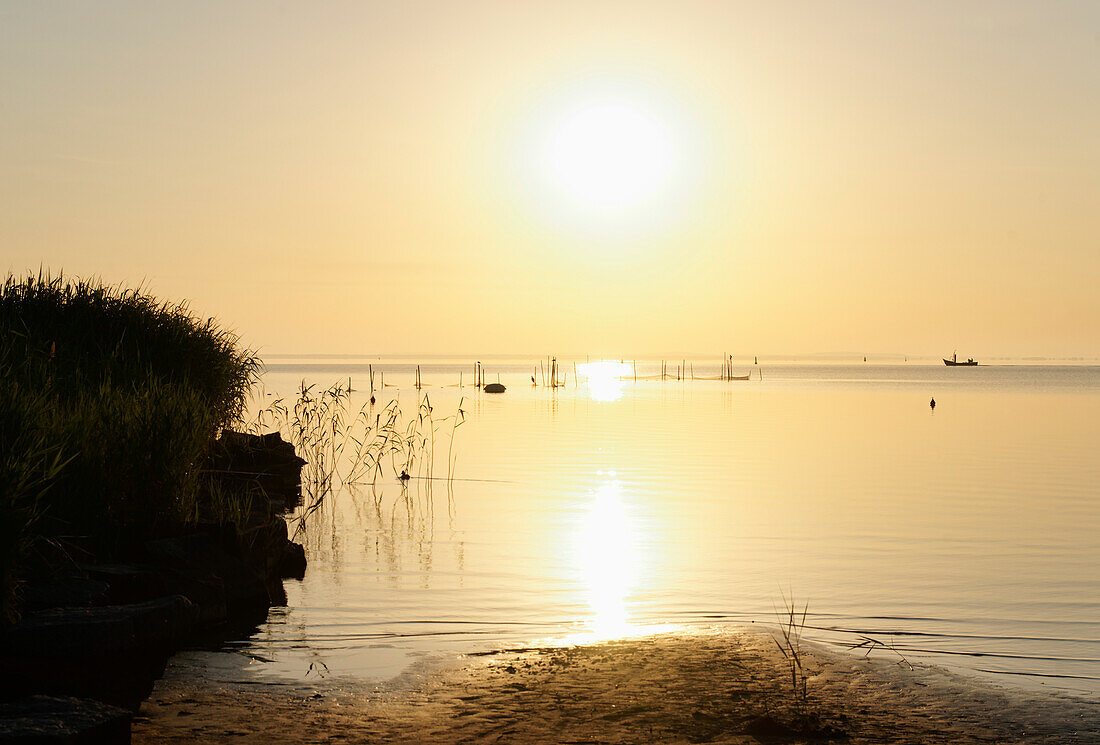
x: 495, y: 388
x: 54, y: 719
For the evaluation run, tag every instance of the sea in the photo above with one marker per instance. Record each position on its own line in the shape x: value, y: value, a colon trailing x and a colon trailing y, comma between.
x: 645, y: 496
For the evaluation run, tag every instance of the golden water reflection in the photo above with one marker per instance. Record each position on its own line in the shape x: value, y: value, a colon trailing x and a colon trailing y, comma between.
x: 607, y: 556
x: 605, y: 378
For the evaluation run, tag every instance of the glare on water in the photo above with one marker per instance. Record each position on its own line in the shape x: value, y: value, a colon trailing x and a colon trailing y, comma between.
x: 604, y: 379
x: 966, y: 536
x: 607, y: 555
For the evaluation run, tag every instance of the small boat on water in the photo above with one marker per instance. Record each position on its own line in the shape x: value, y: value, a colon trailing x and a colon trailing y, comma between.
x: 954, y: 361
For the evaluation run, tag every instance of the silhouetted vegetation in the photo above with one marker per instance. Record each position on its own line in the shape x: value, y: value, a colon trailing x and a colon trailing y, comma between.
x: 344, y: 447
x: 109, y: 404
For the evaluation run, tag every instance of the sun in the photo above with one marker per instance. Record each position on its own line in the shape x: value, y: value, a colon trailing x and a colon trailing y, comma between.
x: 615, y: 161
x: 608, y: 156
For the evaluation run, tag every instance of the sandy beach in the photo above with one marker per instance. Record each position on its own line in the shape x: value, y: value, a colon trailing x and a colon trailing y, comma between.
x: 719, y: 686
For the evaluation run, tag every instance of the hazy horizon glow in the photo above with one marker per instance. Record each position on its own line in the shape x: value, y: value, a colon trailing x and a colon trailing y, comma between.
x: 619, y: 178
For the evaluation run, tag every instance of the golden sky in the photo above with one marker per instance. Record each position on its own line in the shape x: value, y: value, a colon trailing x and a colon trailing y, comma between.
x: 605, y: 177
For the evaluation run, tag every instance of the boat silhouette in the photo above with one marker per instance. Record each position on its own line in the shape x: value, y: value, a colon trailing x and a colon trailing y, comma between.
x: 954, y: 361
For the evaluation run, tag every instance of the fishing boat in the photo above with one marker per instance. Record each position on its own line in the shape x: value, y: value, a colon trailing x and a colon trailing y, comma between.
x: 954, y: 361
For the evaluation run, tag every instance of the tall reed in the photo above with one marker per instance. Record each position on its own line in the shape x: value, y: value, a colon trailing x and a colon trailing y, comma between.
x: 792, y: 621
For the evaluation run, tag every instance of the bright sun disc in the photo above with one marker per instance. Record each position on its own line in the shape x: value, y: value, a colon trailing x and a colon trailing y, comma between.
x: 608, y: 156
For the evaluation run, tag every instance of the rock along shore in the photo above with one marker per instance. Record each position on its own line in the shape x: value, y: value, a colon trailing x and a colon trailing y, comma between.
x: 92, y: 643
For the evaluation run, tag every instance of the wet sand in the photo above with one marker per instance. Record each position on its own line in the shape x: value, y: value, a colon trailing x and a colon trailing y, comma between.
x: 722, y: 686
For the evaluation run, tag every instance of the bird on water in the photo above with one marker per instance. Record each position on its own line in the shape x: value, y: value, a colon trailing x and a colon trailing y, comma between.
x: 932, y: 403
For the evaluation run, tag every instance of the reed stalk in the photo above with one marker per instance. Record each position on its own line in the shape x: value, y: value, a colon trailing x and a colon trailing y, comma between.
x: 343, y: 450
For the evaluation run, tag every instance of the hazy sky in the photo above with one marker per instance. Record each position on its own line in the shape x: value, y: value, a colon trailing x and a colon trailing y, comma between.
x: 603, y: 177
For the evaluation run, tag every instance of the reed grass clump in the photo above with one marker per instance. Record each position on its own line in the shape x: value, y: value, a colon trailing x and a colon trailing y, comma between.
x: 111, y: 401
x: 346, y: 447
x: 30, y: 461
x: 83, y: 334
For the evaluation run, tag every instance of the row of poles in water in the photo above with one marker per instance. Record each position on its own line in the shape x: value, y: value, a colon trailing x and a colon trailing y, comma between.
x: 553, y: 375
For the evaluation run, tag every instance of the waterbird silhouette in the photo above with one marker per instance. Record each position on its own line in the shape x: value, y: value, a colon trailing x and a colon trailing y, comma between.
x: 932, y: 403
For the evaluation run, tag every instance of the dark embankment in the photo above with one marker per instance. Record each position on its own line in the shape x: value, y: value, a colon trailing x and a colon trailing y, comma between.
x: 132, y: 518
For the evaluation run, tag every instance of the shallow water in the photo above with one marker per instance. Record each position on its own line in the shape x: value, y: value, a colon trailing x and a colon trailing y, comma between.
x: 966, y: 536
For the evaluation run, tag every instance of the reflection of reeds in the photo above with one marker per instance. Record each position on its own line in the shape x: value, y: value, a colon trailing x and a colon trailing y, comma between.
x: 340, y: 449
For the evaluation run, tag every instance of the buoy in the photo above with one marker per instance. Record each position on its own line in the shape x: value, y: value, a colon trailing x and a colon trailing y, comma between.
x: 932, y: 403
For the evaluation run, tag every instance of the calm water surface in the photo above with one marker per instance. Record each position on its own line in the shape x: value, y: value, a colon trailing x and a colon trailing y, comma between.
x: 967, y: 536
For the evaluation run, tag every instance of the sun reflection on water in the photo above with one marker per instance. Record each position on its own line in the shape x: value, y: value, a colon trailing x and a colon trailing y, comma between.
x: 605, y: 378
x: 607, y: 557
